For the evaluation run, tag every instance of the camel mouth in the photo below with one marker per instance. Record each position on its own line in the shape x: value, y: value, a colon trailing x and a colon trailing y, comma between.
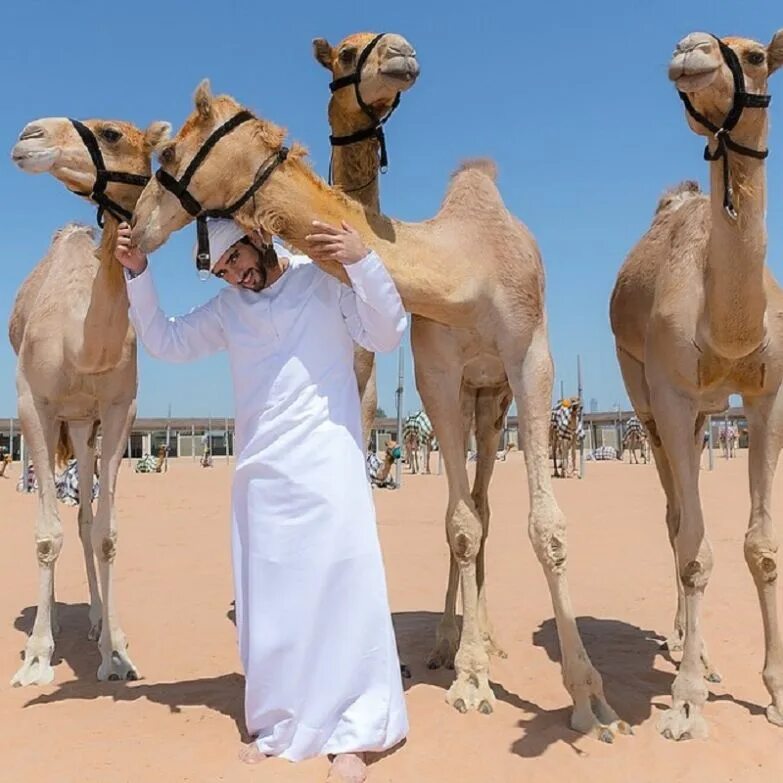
x: 33, y: 160
x: 401, y: 69
x: 694, y: 82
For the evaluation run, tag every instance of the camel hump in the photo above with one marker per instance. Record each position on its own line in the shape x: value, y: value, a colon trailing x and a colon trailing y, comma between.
x: 677, y: 194
x: 486, y: 166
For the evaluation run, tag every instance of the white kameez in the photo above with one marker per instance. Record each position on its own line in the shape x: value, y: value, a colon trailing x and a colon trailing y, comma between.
x: 315, y: 633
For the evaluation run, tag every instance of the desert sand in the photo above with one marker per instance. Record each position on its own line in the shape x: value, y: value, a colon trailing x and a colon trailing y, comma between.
x: 183, y: 720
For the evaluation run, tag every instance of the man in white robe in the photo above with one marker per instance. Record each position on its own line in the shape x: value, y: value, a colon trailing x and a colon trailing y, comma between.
x: 315, y: 633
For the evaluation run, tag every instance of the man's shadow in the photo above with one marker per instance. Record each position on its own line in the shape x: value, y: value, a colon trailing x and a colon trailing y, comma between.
x: 223, y: 694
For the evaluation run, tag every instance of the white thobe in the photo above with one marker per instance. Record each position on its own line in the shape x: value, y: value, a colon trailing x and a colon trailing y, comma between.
x: 315, y: 633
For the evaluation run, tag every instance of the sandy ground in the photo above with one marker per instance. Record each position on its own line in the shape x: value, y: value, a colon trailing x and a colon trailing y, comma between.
x: 183, y: 720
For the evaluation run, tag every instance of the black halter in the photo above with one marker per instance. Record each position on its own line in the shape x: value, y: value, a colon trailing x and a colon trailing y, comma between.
x: 725, y: 144
x: 103, y: 177
x: 179, y: 187
x: 376, y: 129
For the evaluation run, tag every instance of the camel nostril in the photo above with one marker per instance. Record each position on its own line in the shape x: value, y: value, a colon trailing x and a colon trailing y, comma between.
x: 31, y: 132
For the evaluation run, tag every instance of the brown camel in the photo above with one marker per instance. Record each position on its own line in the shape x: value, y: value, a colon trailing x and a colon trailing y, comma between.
x: 471, y: 266
x: 695, y: 313
x: 383, y: 67
x: 77, y: 367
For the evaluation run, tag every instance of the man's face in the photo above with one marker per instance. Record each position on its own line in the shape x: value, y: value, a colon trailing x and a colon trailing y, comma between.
x: 242, y: 266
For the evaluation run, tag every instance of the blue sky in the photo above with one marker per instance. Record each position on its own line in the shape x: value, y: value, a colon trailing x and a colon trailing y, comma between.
x: 571, y: 99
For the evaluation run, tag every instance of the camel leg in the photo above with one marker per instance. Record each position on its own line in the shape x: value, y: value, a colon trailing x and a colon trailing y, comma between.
x: 84, y: 449
x: 491, y: 407
x: 765, y: 421
x: 638, y: 392
x: 439, y: 387
x: 364, y: 369
x: 41, y: 429
x: 447, y: 635
x: 531, y: 380
x: 676, y: 420
x: 116, y: 419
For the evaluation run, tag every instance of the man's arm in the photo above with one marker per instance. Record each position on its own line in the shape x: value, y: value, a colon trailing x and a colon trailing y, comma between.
x: 192, y: 336
x: 180, y: 339
x: 372, y: 308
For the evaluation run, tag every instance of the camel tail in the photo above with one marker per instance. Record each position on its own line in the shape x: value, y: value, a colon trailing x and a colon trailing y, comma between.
x: 484, y: 165
x: 64, y: 451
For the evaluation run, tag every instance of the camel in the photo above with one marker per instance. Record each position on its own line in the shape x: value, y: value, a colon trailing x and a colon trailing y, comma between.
x: 417, y: 438
x: 385, y: 68
x: 565, y: 434
x: 472, y: 266
x: 77, y: 368
x: 695, y: 318
x: 635, y: 439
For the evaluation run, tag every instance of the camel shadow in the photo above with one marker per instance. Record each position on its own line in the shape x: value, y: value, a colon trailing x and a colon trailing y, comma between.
x: 223, y: 694
x: 623, y: 653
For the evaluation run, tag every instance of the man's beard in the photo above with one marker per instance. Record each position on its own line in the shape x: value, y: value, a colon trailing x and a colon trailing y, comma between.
x: 255, y: 277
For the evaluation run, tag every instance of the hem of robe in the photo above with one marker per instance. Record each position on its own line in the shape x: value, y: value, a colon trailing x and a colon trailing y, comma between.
x: 335, y: 745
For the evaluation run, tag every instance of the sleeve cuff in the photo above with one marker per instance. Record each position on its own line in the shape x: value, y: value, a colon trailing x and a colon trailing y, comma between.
x: 359, y: 272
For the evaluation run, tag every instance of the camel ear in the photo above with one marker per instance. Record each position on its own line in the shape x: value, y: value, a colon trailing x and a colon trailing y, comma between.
x: 775, y: 52
x: 156, y: 134
x: 203, y: 99
x: 323, y: 52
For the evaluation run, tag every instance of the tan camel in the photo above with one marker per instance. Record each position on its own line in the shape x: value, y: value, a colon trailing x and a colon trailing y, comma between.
x: 389, y: 69
x: 77, y: 367
x: 695, y: 317
x: 355, y: 171
x: 472, y: 266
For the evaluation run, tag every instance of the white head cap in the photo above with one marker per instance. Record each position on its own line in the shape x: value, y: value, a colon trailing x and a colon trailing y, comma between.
x: 223, y: 232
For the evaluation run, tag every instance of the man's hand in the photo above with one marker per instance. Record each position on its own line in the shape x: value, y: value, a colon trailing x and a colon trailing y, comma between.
x: 130, y: 257
x: 343, y: 245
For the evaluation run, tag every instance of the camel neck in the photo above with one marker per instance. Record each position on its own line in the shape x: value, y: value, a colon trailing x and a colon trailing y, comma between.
x: 355, y: 166
x: 736, y: 297
x: 294, y: 197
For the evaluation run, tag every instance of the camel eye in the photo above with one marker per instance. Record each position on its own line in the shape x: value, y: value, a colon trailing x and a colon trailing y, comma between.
x: 347, y: 56
x: 755, y: 58
x: 166, y: 155
x: 111, y: 135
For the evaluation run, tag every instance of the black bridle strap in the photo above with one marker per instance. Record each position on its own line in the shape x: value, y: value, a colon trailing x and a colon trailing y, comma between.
x: 103, y: 177
x: 179, y: 187
x: 725, y: 144
x: 376, y: 129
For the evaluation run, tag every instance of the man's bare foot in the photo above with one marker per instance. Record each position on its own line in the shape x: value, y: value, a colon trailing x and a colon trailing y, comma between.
x: 250, y: 754
x: 348, y: 768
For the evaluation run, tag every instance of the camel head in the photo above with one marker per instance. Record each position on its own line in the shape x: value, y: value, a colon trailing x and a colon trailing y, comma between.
x: 390, y: 68
x: 54, y: 145
x: 701, y: 71
x: 217, y: 180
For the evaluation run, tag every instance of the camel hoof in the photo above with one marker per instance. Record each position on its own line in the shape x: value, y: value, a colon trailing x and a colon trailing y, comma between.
x: 433, y: 664
x: 405, y: 672
x: 683, y: 722
x: 774, y: 716
x: 460, y: 706
x: 114, y: 677
x: 606, y: 735
x: 132, y: 676
x: 713, y: 677
x: 485, y: 708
